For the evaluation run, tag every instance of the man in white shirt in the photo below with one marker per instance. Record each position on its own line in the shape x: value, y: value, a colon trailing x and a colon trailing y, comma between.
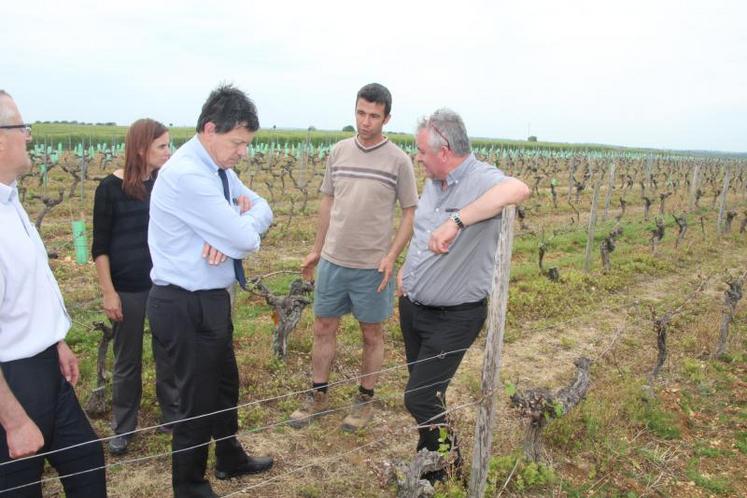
x: 38, y: 406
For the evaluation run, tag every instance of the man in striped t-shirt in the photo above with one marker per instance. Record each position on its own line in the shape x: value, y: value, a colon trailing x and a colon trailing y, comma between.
x: 356, y: 247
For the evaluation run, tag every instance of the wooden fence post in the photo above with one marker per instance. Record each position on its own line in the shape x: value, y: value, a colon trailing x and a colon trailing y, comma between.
x: 722, y: 207
x: 694, y: 185
x: 610, y: 188
x: 648, y: 170
x: 571, y: 176
x: 592, y: 226
x: 492, y: 360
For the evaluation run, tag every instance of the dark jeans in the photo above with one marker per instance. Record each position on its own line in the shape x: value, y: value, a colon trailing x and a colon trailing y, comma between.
x: 49, y: 400
x: 127, y: 387
x: 195, y: 331
x: 429, y: 332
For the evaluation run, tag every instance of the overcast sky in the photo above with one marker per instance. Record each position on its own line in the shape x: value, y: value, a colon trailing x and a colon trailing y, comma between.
x: 665, y: 74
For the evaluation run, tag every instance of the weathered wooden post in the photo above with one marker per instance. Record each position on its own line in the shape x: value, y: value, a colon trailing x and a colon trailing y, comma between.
x: 731, y: 297
x: 610, y: 188
x: 571, y: 176
x: 492, y: 361
x: 648, y: 171
x: 592, y: 226
x: 694, y: 186
x: 722, y: 207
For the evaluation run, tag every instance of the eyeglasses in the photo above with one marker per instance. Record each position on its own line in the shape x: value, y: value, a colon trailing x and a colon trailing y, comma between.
x: 25, y: 127
x: 435, y: 128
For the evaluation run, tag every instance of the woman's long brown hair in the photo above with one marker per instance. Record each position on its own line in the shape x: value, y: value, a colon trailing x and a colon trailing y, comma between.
x: 140, y: 136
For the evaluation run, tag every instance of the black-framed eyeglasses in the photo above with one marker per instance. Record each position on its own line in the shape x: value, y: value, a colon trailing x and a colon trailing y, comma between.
x: 25, y: 127
x: 435, y: 128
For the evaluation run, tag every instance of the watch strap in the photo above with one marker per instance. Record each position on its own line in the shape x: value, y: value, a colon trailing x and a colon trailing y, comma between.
x: 457, y: 220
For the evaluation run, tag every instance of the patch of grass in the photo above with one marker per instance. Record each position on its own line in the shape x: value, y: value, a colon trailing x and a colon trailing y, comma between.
x: 301, y: 341
x: 534, y: 475
x: 654, y: 455
x: 716, y: 485
x: 274, y: 365
x: 450, y: 489
x: 568, y: 342
x: 288, y: 404
x: 660, y: 422
x: 709, y: 451
x: 310, y: 491
x: 694, y: 369
x: 526, y: 475
x: 389, y: 397
x: 741, y: 441
x: 511, y: 335
x: 473, y: 381
x: 686, y: 403
x: 594, y: 425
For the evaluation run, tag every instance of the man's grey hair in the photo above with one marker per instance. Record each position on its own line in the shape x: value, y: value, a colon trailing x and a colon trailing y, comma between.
x: 446, y: 128
x: 5, y: 111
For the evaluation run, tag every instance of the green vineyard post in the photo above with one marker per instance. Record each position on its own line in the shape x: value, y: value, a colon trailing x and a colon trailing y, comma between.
x: 80, y: 241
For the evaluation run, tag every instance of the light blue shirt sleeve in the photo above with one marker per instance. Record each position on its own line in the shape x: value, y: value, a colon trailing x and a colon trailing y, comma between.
x: 206, y: 211
x: 260, y: 211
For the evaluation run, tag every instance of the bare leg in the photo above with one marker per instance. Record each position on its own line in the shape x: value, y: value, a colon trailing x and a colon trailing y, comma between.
x: 373, y: 353
x: 324, y: 348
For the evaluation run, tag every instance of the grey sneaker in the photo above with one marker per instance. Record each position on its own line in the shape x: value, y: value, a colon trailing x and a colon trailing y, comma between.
x: 315, y: 405
x: 360, y: 415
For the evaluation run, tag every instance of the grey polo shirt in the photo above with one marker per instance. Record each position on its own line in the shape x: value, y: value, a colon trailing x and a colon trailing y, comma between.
x: 465, y: 273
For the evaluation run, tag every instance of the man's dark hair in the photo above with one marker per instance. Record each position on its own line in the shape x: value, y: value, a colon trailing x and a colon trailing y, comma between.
x: 228, y: 107
x: 374, y: 92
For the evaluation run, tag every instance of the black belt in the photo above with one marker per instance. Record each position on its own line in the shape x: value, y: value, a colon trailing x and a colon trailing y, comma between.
x: 456, y: 307
x: 182, y: 289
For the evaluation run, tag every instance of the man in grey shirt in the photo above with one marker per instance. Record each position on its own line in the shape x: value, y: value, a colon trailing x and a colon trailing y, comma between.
x: 447, y: 276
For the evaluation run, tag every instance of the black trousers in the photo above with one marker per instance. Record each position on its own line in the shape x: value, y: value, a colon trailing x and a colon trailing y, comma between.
x: 194, y: 331
x: 50, y: 401
x: 430, y: 332
x: 127, y: 386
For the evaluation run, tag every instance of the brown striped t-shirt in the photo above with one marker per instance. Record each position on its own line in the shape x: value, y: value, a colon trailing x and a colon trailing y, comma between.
x: 365, y: 184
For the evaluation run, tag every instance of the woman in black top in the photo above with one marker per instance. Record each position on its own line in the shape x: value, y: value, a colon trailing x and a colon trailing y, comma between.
x: 120, y: 252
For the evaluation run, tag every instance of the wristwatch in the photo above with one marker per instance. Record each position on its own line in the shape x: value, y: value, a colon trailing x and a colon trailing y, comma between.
x: 455, y: 217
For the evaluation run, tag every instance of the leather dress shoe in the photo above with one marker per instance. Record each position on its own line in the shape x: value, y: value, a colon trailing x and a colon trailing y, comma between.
x: 118, y: 445
x: 251, y: 465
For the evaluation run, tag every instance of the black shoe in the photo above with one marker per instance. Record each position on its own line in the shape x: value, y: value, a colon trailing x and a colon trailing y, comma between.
x: 251, y: 465
x: 118, y: 445
x: 435, y: 476
x: 195, y: 490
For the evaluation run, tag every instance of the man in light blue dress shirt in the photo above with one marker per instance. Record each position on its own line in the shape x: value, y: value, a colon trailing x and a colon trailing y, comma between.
x: 203, y: 221
x: 39, y: 411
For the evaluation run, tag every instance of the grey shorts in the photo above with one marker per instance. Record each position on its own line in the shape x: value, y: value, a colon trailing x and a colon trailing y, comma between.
x: 339, y: 290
